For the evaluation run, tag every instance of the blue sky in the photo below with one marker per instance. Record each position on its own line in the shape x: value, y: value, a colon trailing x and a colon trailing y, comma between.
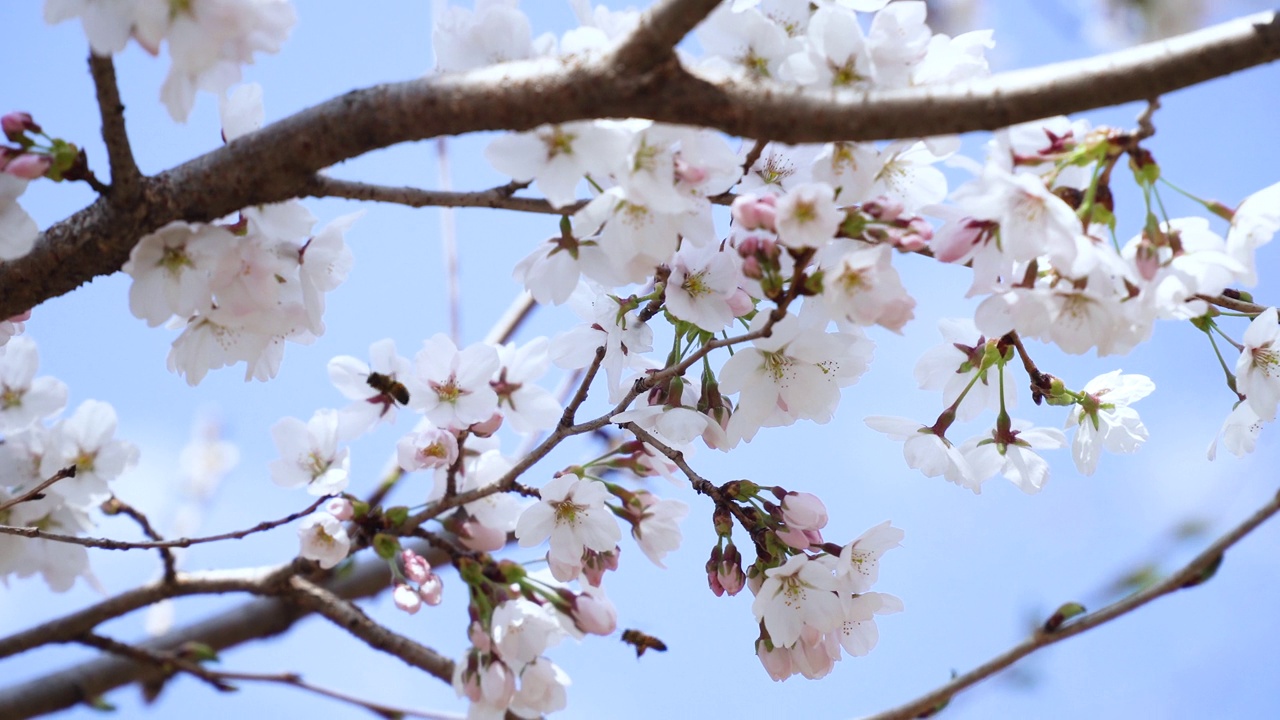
x: 975, y: 572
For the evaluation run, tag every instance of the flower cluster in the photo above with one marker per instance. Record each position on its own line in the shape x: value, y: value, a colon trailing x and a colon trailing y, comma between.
x: 242, y: 287
x: 208, y: 40
x: 55, y: 470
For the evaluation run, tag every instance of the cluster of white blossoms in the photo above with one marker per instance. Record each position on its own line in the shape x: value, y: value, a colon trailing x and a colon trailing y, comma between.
x: 208, y: 40
x: 79, y: 454
x: 806, y: 264
x: 239, y: 288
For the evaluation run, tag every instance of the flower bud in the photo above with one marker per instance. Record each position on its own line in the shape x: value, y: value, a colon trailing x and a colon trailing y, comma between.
x: 406, y: 598
x: 341, y: 508
x: 28, y: 166
x: 416, y: 567
x: 15, y: 124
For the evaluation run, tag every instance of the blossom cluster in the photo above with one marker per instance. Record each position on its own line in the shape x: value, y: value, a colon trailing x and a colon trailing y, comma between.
x: 79, y: 454
x: 208, y: 40
x: 240, y: 288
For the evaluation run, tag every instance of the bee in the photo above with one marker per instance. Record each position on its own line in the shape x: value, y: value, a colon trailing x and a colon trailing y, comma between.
x: 642, y: 642
x: 389, y: 386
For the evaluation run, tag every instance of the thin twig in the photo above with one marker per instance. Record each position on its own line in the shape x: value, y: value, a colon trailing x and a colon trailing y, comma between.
x: 37, y: 492
x: 499, y: 198
x: 1191, y: 574
x: 1231, y: 303
x: 125, y: 176
x: 221, y: 680
x: 105, y: 544
x: 256, y: 619
x: 115, y: 506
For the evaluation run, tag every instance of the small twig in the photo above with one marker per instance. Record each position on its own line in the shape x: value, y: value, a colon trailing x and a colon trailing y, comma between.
x: 699, y: 483
x: 1190, y: 575
x: 104, y: 544
x: 1146, y: 128
x: 1235, y: 304
x: 512, y: 319
x: 498, y: 198
x: 753, y: 155
x: 579, y: 397
x: 37, y: 492
x: 126, y: 179
x: 116, y: 506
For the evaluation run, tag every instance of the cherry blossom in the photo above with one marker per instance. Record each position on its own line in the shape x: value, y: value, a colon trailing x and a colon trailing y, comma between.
x: 573, y: 515
x: 1105, y: 418
x: 556, y: 157
x: 1258, y: 369
x: 310, y: 455
x: 24, y: 398
x: 373, y: 388
x: 87, y: 441
x: 17, y: 230
x: 323, y: 539
x: 1013, y: 455
x: 798, y: 593
x: 451, y: 386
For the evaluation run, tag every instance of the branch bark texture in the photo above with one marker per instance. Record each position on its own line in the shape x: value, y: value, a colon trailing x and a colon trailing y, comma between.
x: 279, y: 161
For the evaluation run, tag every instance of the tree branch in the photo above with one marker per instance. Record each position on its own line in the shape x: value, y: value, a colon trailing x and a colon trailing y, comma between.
x: 352, y: 619
x: 106, y: 544
x: 256, y: 619
x: 660, y: 28
x: 125, y: 176
x: 1191, y: 574
x: 277, y: 162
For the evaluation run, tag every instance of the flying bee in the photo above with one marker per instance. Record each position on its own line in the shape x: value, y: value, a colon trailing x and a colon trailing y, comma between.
x: 642, y: 642
x: 389, y: 386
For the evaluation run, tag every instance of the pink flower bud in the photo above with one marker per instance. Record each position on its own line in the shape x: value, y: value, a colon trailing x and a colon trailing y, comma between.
x: 15, y: 124
x: 20, y: 317
x: 340, y: 508
x: 803, y: 511
x: 432, y: 590
x: 28, y: 166
x: 777, y: 662
x: 753, y: 212
x: 594, y: 614
x: 406, y: 598
x: 416, y: 567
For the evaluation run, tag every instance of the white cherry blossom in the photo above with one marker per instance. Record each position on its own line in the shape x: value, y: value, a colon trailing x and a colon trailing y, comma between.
x: 322, y: 538
x: 310, y: 454
x: 1258, y: 369
x: 1106, y: 420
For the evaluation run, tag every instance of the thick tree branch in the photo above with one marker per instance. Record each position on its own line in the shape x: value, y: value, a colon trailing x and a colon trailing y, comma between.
x: 125, y: 176
x: 660, y: 28
x: 278, y: 162
x: 252, y: 620
x: 1191, y: 574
